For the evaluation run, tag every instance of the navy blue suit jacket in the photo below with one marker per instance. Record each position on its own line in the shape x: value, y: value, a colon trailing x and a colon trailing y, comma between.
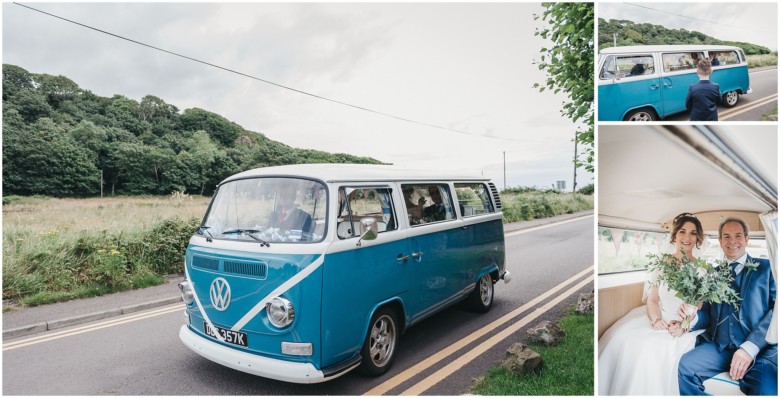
x: 757, y: 292
x: 702, y: 101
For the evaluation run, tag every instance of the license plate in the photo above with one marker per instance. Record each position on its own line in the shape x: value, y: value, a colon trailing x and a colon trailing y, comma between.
x: 230, y: 336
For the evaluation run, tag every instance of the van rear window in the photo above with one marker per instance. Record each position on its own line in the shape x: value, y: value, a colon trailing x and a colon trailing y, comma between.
x: 721, y: 58
x: 474, y: 199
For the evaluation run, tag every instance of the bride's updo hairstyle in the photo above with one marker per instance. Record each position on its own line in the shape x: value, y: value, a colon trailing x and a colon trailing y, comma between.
x: 683, y: 218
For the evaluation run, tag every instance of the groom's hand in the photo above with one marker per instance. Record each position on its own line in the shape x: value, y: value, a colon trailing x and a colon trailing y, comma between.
x: 740, y: 363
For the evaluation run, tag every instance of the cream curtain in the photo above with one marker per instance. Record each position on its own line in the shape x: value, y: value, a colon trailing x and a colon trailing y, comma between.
x: 769, y: 220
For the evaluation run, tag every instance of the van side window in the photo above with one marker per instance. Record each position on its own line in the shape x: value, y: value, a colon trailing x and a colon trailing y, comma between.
x: 674, y: 62
x: 474, y: 199
x: 627, y: 66
x: 720, y: 58
x: 358, y: 203
x: 427, y: 203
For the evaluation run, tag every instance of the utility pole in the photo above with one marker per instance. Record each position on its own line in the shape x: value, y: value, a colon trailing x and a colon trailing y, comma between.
x: 504, y: 169
x: 101, y: 183
x: 574, y: 186
x: 614, y: 39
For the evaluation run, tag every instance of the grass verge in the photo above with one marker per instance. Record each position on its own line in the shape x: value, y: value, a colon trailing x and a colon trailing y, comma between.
x: 523, y: 204
x: 567, y: 370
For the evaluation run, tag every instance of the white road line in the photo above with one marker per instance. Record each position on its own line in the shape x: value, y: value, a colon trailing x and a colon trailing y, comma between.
x: 555, y: 224
x: 92, y: 328
x: 451, y: 349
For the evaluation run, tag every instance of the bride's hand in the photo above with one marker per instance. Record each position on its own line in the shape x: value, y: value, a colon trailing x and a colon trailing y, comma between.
x: 660, y: 324
x: 687, y: 309
x: 674, y: 329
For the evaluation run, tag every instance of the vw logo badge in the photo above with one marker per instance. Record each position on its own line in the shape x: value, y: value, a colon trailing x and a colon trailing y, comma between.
x: 220, y: 294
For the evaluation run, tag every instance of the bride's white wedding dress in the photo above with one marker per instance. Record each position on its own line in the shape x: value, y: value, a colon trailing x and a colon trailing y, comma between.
x: 635, y: 359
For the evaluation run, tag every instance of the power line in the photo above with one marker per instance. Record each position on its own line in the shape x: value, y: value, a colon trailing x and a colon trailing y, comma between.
x: 694, y: 18
x: 268, y: 81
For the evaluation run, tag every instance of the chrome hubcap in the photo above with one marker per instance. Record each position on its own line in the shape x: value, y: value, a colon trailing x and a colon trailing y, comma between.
x: 731, y: 97
x: 641, y: 117
x: 382, y: 343
x: 486, y: 289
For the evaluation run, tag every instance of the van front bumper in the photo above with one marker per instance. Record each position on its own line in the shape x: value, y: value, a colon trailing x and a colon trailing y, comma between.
x: 294, y: 372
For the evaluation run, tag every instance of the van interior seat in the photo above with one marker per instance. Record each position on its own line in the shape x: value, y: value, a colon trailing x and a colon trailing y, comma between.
x: 722, y: 384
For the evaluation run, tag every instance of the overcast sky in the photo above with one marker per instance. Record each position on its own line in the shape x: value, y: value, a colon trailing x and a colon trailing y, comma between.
x: 462, y: 66
x: 734, y: 21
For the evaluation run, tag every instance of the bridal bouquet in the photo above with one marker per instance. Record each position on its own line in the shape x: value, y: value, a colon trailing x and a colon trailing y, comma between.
x: 694, y: 280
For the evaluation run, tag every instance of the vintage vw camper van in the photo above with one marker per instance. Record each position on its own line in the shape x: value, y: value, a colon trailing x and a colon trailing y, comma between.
x: 647, y: 83
x: 302, y: 273
x: 649, y: 174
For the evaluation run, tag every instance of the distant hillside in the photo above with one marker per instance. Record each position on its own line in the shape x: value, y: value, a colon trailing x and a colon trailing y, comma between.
x: 630, y: 33
x: 58, y: 140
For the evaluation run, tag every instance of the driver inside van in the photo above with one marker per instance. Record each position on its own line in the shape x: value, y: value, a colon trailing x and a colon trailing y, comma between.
x: 287, y: 215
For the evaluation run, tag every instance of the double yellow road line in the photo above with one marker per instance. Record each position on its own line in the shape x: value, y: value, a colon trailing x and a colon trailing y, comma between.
x: 742, y: 109
x: 461, y: 361
x: 91, y: 328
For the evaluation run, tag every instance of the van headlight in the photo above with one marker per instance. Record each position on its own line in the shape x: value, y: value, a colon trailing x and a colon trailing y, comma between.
x: 186, y: 292
x: 280, y: 312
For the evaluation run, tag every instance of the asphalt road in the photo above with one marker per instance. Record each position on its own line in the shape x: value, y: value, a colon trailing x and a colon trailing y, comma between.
x: 751, y: 107
x: 142, y: 354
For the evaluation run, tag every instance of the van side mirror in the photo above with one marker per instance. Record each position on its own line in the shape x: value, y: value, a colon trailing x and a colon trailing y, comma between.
x: 368, y: 230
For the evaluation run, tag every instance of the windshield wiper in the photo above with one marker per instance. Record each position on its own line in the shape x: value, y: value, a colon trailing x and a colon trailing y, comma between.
x: 249, y: 233
x: 204, y: 228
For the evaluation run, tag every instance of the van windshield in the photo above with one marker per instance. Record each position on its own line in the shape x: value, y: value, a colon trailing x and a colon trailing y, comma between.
x: 268, y: 210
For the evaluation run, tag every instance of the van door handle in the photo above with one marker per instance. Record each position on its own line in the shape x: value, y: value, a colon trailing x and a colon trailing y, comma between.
x: 667, y: 84
x: 402, y: 258
x: 654, y: 86
x: 417, y: 255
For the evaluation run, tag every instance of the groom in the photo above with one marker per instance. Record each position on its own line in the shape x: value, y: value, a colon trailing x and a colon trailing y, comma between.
x: 735, y: 339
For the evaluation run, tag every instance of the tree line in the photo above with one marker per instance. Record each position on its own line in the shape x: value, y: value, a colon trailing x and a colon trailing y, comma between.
x: 630, y: 33
x: 60, y: 140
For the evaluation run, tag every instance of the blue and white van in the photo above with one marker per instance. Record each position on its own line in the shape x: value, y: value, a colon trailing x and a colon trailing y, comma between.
x: 302, y: 273
x: 648, y: 83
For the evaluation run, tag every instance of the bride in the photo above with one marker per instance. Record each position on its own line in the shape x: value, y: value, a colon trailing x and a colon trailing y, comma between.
x: 637, y: 354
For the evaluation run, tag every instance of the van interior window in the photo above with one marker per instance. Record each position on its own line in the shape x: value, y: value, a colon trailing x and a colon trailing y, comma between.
x: 621, y: 250
x: 427, y: 203
x: 358, y: 203
x: 674, y: 62
x: 474, y: 199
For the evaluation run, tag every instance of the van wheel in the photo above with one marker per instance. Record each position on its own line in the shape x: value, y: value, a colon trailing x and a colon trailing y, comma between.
x: 730, y: 99
x: 481, y: 299
x: 641, y: 115
x: 378, y: 349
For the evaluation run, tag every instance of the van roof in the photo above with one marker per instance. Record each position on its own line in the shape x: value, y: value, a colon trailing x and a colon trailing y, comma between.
x: 665, y: 47
x: 355, y: 173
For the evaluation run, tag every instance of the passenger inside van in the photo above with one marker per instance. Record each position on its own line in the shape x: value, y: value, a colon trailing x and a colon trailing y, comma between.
x: 638, y: 69
x: 436, y: 211
x: 415, y: 210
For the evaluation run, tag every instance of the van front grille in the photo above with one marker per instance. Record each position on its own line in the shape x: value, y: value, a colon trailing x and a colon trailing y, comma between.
x: 259, y: 270
x: 205, y: 263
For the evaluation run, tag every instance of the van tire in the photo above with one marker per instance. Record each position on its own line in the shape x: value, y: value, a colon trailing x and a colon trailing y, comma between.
x: 730, y: 99
x: 641, y: 115
x: 481, y: 299
x: 381, y: 341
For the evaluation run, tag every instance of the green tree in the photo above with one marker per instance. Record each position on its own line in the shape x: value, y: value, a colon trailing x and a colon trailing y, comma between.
x: 569, y: 66
x: 47, y: 162
x: 219, y: 128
